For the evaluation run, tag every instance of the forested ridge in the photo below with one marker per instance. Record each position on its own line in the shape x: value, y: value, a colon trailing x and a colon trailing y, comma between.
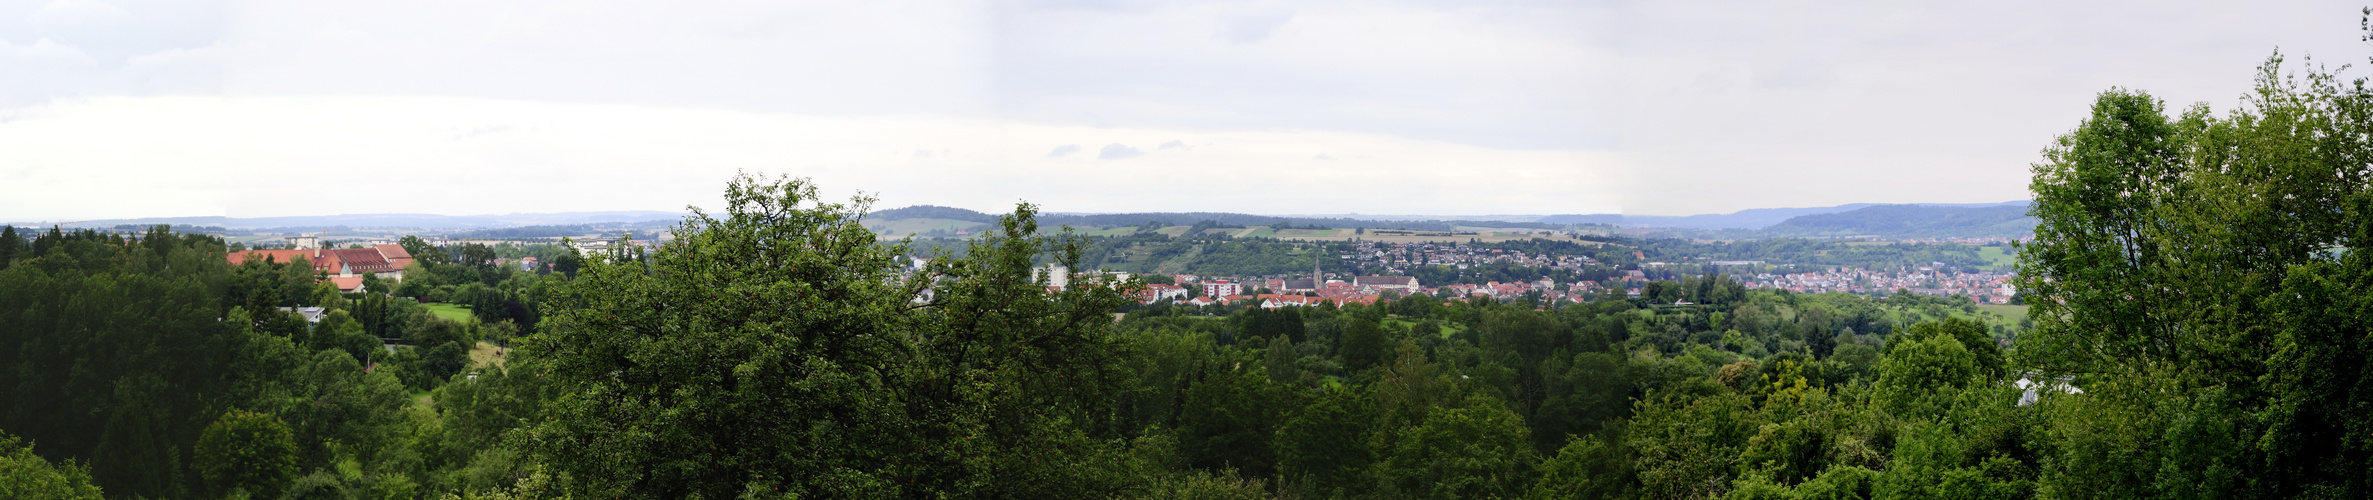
x: 2198, y: 330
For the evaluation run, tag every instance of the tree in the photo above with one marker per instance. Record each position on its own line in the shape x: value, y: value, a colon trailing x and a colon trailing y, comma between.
x: 25, y: 475
x: 1480, y: 451
x: 247, y: 451
x: 725, y: 354
x: 2187, y: 273
x: 1328, y: 442
x: 477, y: 255
x: 11, y: 244
x: 2100, y: 196
x: 1923, y: 375
x: 1363, y: 344
x: 1411, y: 388
x: 414, y: 245
x: 781, y: 346
x: 1586, y: 467
x: 1229, y: 421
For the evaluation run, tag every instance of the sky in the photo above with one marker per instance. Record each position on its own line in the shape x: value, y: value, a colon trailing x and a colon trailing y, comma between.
x: 143, y: 108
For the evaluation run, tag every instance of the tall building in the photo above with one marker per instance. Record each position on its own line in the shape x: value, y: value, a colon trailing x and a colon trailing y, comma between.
x: 1222, y: 288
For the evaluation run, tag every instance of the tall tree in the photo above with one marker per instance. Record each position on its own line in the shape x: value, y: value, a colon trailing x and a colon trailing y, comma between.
x: 11, y: 244
x: 781, y: 346
x: 247, y: 451
x: 2192, y: 273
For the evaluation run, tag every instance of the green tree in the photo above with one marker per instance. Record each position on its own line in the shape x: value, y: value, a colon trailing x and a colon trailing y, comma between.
x: 1586, y: 467
x: 1363, y: 344
x: 247, y: 451
x: 1229, y: 421
x: 1688, y: 447
x: 25, y: 475
x: 11, y: 244
x: 478, y: 256
x: 1279, y: 361
x: 1480, y: 451
x: 783, y: 347
x: 2184, y: 275
x: 1921, y: 376
x: 1328, y: 442
x: 414, y: 245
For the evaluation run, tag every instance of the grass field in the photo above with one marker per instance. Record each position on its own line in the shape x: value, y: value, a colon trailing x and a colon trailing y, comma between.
x: 1998, y: 258
x: 487, y: 354
x: 2006, y: 310
x: 449, y: 311
x: 1448, y: 329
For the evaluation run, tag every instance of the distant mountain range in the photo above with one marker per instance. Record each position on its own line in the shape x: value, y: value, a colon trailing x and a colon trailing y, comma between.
x: 1911, y: 221
x: 1926, y: 220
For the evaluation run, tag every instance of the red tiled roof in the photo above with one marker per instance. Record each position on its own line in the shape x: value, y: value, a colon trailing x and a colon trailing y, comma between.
x: 280, y: 256
x: 362, y: 260
x: 395, y: 255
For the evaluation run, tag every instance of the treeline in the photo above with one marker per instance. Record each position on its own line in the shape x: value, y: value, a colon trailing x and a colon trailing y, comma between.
x: 154, y: 368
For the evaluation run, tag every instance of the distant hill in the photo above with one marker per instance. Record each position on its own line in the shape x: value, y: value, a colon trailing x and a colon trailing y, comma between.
x: 1911, y: 221
x: 1977, y: 220
x: 1755, y: 218
x: 1223, y: 219
x: 931, y: 212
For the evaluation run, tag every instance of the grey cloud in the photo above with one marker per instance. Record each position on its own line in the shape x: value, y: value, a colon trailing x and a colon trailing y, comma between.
x: 1063, y: 150
x: 922, y: 153
x: 1174, y: 144
x: 1322, y: 156
x: 1115, y: 151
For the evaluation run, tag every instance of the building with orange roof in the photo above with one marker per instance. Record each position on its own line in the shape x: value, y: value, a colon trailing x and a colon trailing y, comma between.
x: 346, y: 267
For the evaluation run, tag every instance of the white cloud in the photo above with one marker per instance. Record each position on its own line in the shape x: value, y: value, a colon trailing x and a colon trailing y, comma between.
x: 332, y: 154
x: 1654, y: 107
x: 1117, y: 151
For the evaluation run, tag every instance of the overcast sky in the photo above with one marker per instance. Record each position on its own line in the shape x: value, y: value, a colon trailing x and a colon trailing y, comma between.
x: 141, y: 108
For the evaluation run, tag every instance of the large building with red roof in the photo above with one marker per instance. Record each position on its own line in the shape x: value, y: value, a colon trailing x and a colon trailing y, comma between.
x: 345, y: 266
